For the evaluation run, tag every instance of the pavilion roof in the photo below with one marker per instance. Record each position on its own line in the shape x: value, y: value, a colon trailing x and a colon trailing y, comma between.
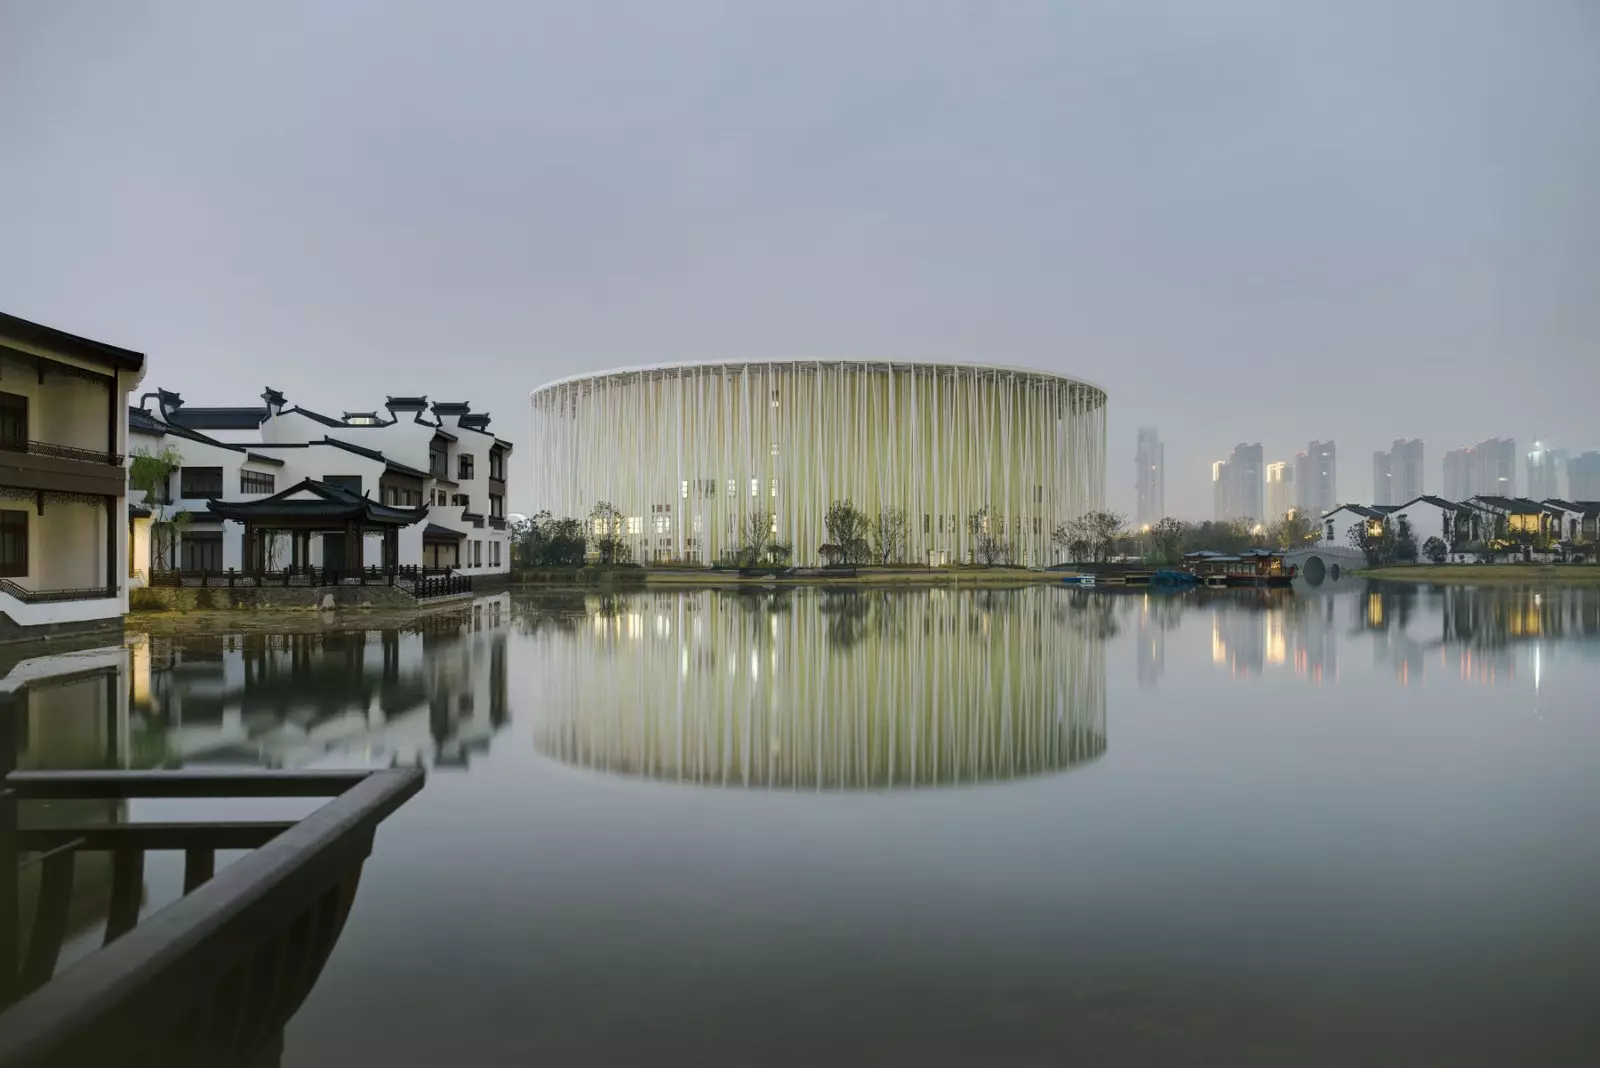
x: 310, y: 499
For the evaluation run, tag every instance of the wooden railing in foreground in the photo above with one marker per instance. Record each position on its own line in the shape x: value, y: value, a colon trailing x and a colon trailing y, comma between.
x: 212, y: 978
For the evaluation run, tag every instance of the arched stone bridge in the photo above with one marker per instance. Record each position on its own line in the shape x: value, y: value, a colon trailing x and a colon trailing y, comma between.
x: 1325, y: 562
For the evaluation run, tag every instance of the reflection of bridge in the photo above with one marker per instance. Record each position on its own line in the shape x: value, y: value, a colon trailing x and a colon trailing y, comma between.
x: 827, y: 690
x: 1325, y: 561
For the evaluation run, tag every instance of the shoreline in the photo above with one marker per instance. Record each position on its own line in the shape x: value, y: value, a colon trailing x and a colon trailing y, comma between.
x: 1486, y: 574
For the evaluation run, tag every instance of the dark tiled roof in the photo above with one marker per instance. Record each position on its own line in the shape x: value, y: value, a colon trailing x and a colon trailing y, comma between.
x: 258, y: 458
x: 476, y: 421
x: 1358, y: 509
x: 143, y: 422
x: 371, y: 454
x: 406, y: 404
x: 1386, y: 509
x: 326, y: 502
x: 436, y: 532
x: 451, y: 407
x: 445, y: 434
x: 139, y: 511
x: 174, y: 430
x: 315, y: 417
x: 218, y: 418
x: 502, y: 443
x: 48, y: 337
x: 402, y: 469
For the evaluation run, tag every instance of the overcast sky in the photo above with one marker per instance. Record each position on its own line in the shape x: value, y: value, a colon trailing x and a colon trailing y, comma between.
x: 1250, y: 221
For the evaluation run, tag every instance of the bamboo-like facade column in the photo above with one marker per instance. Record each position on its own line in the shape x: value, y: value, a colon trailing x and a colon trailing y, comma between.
x: 687, y: 452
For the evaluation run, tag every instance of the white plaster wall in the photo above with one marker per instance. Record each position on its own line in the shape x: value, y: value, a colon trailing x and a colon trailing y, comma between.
x: 64, y: 410
x: 1427, y: 521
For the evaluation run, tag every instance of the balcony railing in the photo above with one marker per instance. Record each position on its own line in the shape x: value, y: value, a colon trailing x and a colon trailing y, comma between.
x: 213, y: 977
x: 410, y: 577
x: 86, y: 593
x: 62, y: 452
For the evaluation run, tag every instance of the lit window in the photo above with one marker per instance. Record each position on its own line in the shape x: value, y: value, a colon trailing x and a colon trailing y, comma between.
x: 684, y: 489
x: 774, y: 487
x: 755, y: 487
x: 635, y: 524
x: 731, y: 489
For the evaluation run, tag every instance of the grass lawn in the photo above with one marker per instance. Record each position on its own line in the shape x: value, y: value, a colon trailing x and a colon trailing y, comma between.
x: 1485, y: 574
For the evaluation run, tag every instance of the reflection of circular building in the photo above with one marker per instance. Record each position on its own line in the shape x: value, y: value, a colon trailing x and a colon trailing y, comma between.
x: 824, y: 690
x: 690, y: 452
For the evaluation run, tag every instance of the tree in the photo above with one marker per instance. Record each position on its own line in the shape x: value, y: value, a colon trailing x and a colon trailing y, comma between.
x: 1435, y: 550
x: 1291, y: 530
x: 778, y: 553
x: 1103, y: 529
x: 605, y: 519
x: 756, y: 538
x: 1375, y: 539
x: 1166, y: 539
x: 989, y: 545
x: 1072, y: 538
x: 847, y: 528
x: 1405, y: 542
x: 151, y: 473
x: 540, y: 541
x: 889, y: 535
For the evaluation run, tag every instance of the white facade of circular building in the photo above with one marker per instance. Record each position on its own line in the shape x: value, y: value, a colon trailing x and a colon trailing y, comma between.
x: 689, y: 452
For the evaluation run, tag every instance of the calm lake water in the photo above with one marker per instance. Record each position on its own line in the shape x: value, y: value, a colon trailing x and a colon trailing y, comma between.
x: 1025, y: 827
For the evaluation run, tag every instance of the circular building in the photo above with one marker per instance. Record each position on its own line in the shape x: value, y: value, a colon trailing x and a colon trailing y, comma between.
x: 696, y: 456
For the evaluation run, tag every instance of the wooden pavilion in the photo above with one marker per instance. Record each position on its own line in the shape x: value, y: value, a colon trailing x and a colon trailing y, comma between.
x: 342, y: 517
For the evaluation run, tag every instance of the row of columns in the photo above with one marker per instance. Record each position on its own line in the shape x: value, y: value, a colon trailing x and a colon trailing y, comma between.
x: 353, y: 534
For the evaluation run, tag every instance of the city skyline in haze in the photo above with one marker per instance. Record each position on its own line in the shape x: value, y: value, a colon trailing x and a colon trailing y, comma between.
x: 1246, y: 222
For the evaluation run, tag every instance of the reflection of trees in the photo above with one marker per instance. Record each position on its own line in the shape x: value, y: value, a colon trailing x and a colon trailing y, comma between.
x: 850, y: 689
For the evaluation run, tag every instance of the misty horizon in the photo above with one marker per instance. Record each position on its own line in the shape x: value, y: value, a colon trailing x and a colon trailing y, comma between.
x: 1246, y: 223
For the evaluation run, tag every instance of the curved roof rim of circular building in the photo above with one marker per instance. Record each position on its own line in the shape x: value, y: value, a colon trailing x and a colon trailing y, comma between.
x: 765, y: 361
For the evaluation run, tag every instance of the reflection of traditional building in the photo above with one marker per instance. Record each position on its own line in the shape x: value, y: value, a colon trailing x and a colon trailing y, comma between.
x: 843, y: 690
x: 435, y: 689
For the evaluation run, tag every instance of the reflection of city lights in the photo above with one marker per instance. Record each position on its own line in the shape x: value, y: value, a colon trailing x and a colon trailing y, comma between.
x: 1219, y: 648
x: 1374, y: 610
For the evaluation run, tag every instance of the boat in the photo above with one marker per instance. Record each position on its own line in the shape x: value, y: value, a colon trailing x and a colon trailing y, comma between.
x: 1253, y: 567
x: 1174, y: 577
x: 1086, y: 580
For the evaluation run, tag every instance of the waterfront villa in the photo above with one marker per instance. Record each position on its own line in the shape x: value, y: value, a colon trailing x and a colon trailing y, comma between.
x: 63, y: 532
x: 275, y: 486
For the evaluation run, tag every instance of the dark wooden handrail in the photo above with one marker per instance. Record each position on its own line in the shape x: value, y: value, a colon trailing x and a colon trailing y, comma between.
x: 213, y: 977
x: 27, y: 596
x: 62, y: 452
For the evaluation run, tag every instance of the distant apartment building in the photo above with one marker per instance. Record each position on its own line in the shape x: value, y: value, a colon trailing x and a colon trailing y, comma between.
x: 1458, y: 474
x: 1488, y: 468
x: 1397, y: 472
x: 1547, y: 472
x: 1150, y: 478
x: 1246, y: 472
x: 1221, y: 494
x: 1316, y: 478
x: 1280, y: 489
x: 1583, y: 477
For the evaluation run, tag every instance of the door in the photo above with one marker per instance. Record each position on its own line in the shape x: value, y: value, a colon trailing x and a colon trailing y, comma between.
x: 333, y: 552
x: 202, y: 551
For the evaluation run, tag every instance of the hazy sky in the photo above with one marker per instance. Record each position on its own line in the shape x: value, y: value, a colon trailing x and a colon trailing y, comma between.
x: 1248, y: 221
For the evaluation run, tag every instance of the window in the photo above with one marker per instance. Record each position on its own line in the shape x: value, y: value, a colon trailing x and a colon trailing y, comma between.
x: 438, y: 463
x: 774, y: 487
x: 201, y: 482
x: 13, y: 543
x: 440, y: 497
x: 497, y: 464
x: 927, y: 519
x: 663, y: 524
x: 460, y: 500
x: 731, y: 487
x: 497, y: 506
x: 464, y: 466
x: 635, y: 524
x: 348, y: 483
x: 755, y: 487
x: 202, y: 550
x: 477, y: 554
x: 256, y: 482
x: 684, y: 489
x: 13, y: 421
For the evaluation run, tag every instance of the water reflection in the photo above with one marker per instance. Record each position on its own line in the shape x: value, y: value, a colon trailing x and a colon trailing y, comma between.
x: 810, y: 688
x: 433, y: 691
